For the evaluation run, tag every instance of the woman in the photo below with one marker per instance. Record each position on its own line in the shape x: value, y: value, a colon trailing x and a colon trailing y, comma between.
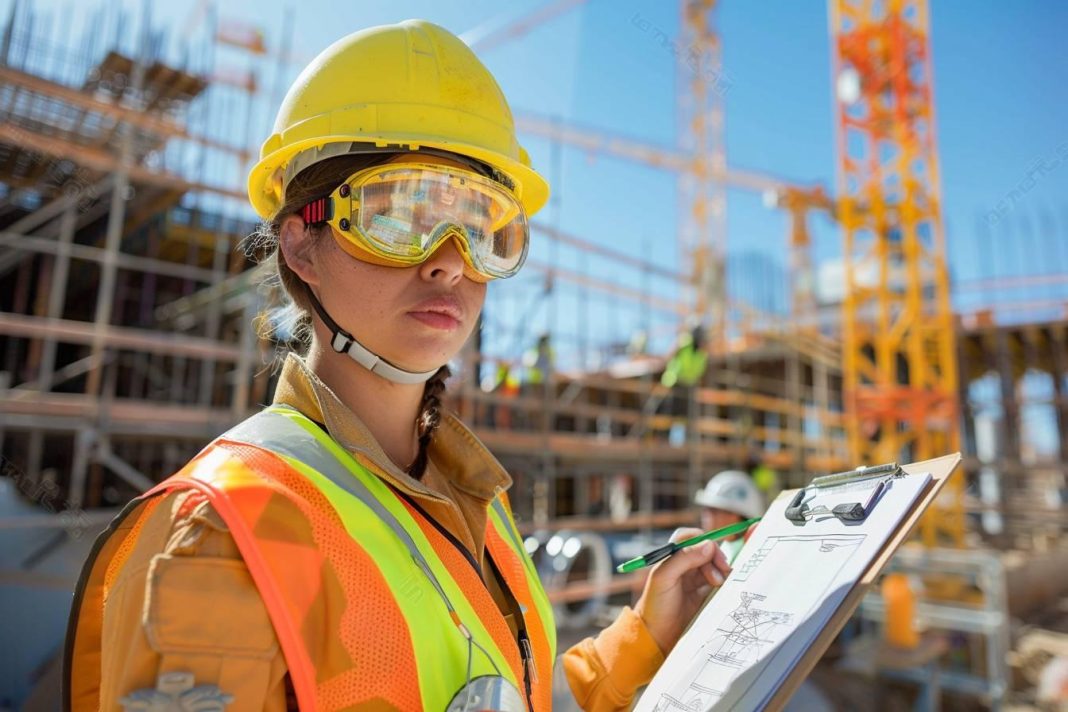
x: 351, y: 545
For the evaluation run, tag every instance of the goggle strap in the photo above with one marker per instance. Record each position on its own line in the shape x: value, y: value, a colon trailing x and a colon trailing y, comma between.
x: 318, y: 212
x: 344, y: 342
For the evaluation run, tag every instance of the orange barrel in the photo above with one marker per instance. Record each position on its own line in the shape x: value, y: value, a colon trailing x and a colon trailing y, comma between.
x: 900, y: 602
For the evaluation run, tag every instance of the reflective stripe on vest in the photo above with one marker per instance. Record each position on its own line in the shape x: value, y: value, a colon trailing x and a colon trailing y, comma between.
x: 393, y: 532
x: 506, y: 528
x: 282, y: 436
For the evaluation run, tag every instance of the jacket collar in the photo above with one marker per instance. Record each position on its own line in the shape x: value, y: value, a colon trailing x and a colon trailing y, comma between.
x: 454, y: 449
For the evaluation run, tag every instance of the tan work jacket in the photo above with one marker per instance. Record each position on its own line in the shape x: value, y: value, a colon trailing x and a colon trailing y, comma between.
x: 184, y: 622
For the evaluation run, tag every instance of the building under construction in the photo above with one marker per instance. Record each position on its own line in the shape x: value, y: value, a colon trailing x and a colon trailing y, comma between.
x: 128, y: 329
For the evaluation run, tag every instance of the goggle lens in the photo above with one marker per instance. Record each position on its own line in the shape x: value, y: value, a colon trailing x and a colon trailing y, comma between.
x: 404, y: 212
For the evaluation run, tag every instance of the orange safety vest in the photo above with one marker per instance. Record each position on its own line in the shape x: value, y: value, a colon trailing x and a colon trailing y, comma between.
x: 371, y: 601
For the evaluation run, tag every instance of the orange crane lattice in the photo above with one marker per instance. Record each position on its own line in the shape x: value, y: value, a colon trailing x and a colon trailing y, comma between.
x: 899, y: 370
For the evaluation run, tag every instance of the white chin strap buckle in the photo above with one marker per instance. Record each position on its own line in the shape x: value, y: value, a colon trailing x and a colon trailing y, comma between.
x: 344, y: 343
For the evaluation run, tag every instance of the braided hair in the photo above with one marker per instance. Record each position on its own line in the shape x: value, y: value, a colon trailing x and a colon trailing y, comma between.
x: 285, y: 288
x: 428, y: 420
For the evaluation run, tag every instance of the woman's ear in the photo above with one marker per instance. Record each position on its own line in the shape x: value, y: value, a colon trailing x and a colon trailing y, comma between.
x: 296, y: 243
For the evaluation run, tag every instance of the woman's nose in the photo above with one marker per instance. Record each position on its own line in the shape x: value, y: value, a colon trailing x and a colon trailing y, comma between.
x: 446, y: 264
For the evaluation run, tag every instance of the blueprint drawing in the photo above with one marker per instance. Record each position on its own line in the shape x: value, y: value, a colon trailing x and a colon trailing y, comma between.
x: 783, y: 589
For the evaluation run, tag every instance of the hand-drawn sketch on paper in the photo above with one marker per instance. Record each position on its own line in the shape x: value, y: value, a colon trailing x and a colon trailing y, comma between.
x: 785, y: 585
x: 741, y: 636
x: 751, y: 629
x: 842, y: 545
x: 737, y: 641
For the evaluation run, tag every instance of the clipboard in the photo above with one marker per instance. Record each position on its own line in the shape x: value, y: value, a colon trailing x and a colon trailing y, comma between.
x: 940, y: 468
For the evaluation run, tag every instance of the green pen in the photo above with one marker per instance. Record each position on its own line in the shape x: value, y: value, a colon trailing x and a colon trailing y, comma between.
x: 671, y: 547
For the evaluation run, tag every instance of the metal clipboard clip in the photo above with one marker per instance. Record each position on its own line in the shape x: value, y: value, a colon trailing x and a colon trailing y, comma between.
x: 800, y: 510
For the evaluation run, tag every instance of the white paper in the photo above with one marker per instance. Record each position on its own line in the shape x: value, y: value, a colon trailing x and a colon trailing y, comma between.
x: 785, y: 586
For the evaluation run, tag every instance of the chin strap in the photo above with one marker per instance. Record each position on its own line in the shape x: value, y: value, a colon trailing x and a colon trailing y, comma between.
x: 344, y: 342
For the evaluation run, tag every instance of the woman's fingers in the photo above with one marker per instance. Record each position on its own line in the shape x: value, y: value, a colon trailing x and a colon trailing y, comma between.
x: 706, y: 555
x: 678, y: 585
x: 684, y: 533
x: 719, y: 561
x: 716, y: 570
x: 712, y: 575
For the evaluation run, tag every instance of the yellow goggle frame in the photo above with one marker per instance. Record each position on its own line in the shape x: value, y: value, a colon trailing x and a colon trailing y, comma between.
x: 398, y: 214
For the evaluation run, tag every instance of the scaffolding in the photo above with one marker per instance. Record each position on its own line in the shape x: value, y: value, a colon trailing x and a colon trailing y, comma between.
x: 102, y: 226
x: 127, y: 314
x: 128, y: 311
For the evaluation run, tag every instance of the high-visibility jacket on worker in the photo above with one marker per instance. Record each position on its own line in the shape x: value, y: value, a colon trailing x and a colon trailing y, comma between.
x: 320, y: 533
x: 369, y: 599
x: 687, y: 366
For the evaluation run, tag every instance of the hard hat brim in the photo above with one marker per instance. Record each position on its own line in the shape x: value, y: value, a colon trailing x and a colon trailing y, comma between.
x: 265, y: 182
x: 726, y: 505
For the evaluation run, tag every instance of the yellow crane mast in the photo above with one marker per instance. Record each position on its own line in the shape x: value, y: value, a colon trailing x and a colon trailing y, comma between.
x: 899, y: 370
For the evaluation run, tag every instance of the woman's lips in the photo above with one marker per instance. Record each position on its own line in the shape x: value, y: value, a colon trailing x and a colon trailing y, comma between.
x: 444, y: 312
x: 436, y: 320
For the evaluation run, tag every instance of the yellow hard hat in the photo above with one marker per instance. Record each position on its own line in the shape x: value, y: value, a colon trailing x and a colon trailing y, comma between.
x: 406, y: 86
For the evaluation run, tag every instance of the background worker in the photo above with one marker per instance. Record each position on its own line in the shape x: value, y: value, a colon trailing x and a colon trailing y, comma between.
x: 538, y: 361
x: 689, y: 361
x: 536, y: 389
x: 729, y: 497
x: 683, y: 374
x: 507, y: 387
x: 351, y: 546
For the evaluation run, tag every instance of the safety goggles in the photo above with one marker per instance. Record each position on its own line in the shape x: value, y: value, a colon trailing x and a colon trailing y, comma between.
x: 399, y: 214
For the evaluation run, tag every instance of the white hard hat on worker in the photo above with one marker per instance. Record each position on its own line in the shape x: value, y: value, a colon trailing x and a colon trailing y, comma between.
x: 729, y: 497
x: 731, y: 492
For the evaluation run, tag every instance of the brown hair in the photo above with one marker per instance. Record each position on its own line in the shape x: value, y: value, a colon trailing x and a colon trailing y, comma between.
x: 289, y: 317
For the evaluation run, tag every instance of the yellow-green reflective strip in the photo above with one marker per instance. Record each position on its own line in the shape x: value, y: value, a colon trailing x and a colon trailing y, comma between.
x: 441, y: 652
x: 355, y: 515
x: 506, y: 528
x: 510, y: 532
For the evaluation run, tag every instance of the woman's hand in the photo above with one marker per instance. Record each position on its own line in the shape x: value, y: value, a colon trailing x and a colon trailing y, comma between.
x: 677, y: 587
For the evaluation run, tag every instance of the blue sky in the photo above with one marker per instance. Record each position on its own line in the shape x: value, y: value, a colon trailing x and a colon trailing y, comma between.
x: 1002, y: 120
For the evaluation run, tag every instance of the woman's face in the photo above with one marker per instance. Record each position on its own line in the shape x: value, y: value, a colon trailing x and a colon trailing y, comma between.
x: 417, y: 318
